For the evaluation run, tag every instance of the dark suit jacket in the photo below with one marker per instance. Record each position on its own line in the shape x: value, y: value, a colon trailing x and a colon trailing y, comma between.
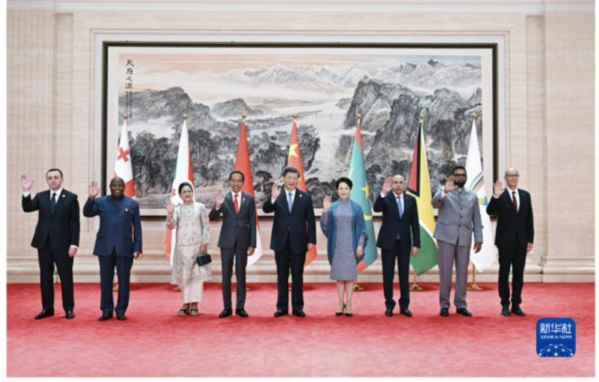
x: 392, y: 224
x: 120, y: 225
x: 62, y: 225
x: 237, y: 229
x: 512, y: 227
x: 299, y: 225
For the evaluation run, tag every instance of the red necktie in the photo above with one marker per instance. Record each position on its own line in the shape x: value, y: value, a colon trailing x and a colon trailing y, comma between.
x: 236, y: 204
x: 514, y: 201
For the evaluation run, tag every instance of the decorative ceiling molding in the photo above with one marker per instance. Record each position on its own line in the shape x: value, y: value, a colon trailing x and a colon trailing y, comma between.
x: 534, y: 7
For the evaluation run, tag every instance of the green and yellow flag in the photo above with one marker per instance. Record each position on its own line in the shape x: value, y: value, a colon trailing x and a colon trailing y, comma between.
x: 419, y: 186
x: 360, y: 194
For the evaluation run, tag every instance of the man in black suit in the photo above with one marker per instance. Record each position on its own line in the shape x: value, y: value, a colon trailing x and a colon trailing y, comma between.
x: 56, y: 238
x: 293, y: 234
x: 514, y: 237
x: 237, y: 239
x: 400, y: 214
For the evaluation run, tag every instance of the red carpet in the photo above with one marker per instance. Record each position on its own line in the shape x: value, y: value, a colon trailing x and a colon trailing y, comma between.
x: 155, y: 342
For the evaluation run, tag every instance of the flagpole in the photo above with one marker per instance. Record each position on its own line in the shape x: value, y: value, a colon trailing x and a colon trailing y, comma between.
x: 243, y: 115
x: 358, y: 287
x: 415, y: 286
x: 115, y: 287
x: 474, y: 287
x: 177, y: 288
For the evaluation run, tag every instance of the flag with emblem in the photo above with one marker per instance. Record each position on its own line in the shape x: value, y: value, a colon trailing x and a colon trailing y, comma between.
x: 122, y: 167
x: 294, y: 159
x: 476, y: 183
x: 183, y: 173
x: 360, y: 193
x: 242, y: 163
x: 419, y: 186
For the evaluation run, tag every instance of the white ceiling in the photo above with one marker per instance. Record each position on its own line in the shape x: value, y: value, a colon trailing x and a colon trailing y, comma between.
x: 313, y: 6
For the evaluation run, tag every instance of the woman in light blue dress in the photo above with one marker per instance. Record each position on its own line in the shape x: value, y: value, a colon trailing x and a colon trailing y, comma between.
x: 343, y: 224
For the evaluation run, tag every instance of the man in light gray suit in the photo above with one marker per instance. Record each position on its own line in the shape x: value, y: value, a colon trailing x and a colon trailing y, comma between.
x: 237, y: 239
x: 458, y: 218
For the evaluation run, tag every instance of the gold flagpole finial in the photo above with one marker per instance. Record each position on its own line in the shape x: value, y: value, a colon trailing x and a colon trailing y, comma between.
x: 185, y: 117
x: 474, y: 116
x: 294, y: 116
x: 125, y: 116
x: 421, y: 116
x: 359, y: 116
x: 243, y: 115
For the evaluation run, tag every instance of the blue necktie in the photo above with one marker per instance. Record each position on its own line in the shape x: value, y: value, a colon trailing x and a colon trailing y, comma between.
x: 53, y: 202
x: 290, y: 200
x: 399, y: 207
x: 399, y: 210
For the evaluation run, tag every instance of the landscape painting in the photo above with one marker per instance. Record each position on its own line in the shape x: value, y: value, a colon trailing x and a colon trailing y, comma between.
x: 326, y: 86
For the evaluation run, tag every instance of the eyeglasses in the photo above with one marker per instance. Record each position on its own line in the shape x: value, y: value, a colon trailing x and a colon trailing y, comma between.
x: 459, y: 175
x: 513, y: 176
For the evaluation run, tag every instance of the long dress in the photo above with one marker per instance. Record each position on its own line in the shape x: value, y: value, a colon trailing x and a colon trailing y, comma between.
x: 193, y: 230
x: 344, y: 266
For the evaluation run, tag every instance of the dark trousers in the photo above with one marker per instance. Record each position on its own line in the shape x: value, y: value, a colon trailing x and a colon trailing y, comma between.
x: 514, y: 257
x: 403, y: 265
x: 241, y: 259
x: 47, y: 257
x: 286, y: 259
x: 123, y: 270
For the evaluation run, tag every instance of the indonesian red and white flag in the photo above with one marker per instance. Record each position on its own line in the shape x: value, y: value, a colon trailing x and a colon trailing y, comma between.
x: 242, y: 163
x: 183, y: 173
x: 122, y: 167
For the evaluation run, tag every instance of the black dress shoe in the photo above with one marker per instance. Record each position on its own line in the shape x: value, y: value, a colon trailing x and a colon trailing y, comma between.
x: 121, y: 316
x: 299, y: 313
x: 389, y: 312
x: 225, y: 313
x: 43, y: 314
x: 406, y: 312
x: 105, y: 316
x: 464, y: 312
x: 444, y: 312
x: 241, y: 313
x: 505, y: 311
x: 281, y: 313
x: 518, y: 312
x: 69, y: 314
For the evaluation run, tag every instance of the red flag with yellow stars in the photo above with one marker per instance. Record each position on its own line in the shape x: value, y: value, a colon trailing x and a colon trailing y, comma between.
x: 294, y: 159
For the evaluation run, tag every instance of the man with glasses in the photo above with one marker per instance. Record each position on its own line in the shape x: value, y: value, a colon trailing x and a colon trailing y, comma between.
x: 458, y: 219
x: 514, y: 237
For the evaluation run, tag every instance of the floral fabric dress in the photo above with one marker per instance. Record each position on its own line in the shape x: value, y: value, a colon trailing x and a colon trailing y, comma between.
x: 193, y: 230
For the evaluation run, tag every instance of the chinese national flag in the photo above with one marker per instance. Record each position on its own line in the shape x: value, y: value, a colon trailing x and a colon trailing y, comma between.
x: 294, y: 159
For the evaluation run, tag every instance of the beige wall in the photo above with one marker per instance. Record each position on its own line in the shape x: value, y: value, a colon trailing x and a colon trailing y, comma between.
x: 549, y: 110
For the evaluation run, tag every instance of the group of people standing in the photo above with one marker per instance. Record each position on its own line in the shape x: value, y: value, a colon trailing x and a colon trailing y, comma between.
x: 119, y: 240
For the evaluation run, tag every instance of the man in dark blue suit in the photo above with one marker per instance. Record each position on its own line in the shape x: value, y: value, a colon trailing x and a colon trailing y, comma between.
x: 56, y: 238
x: 400, y: 215
x: 118, y: 241
x: 293, y: 234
